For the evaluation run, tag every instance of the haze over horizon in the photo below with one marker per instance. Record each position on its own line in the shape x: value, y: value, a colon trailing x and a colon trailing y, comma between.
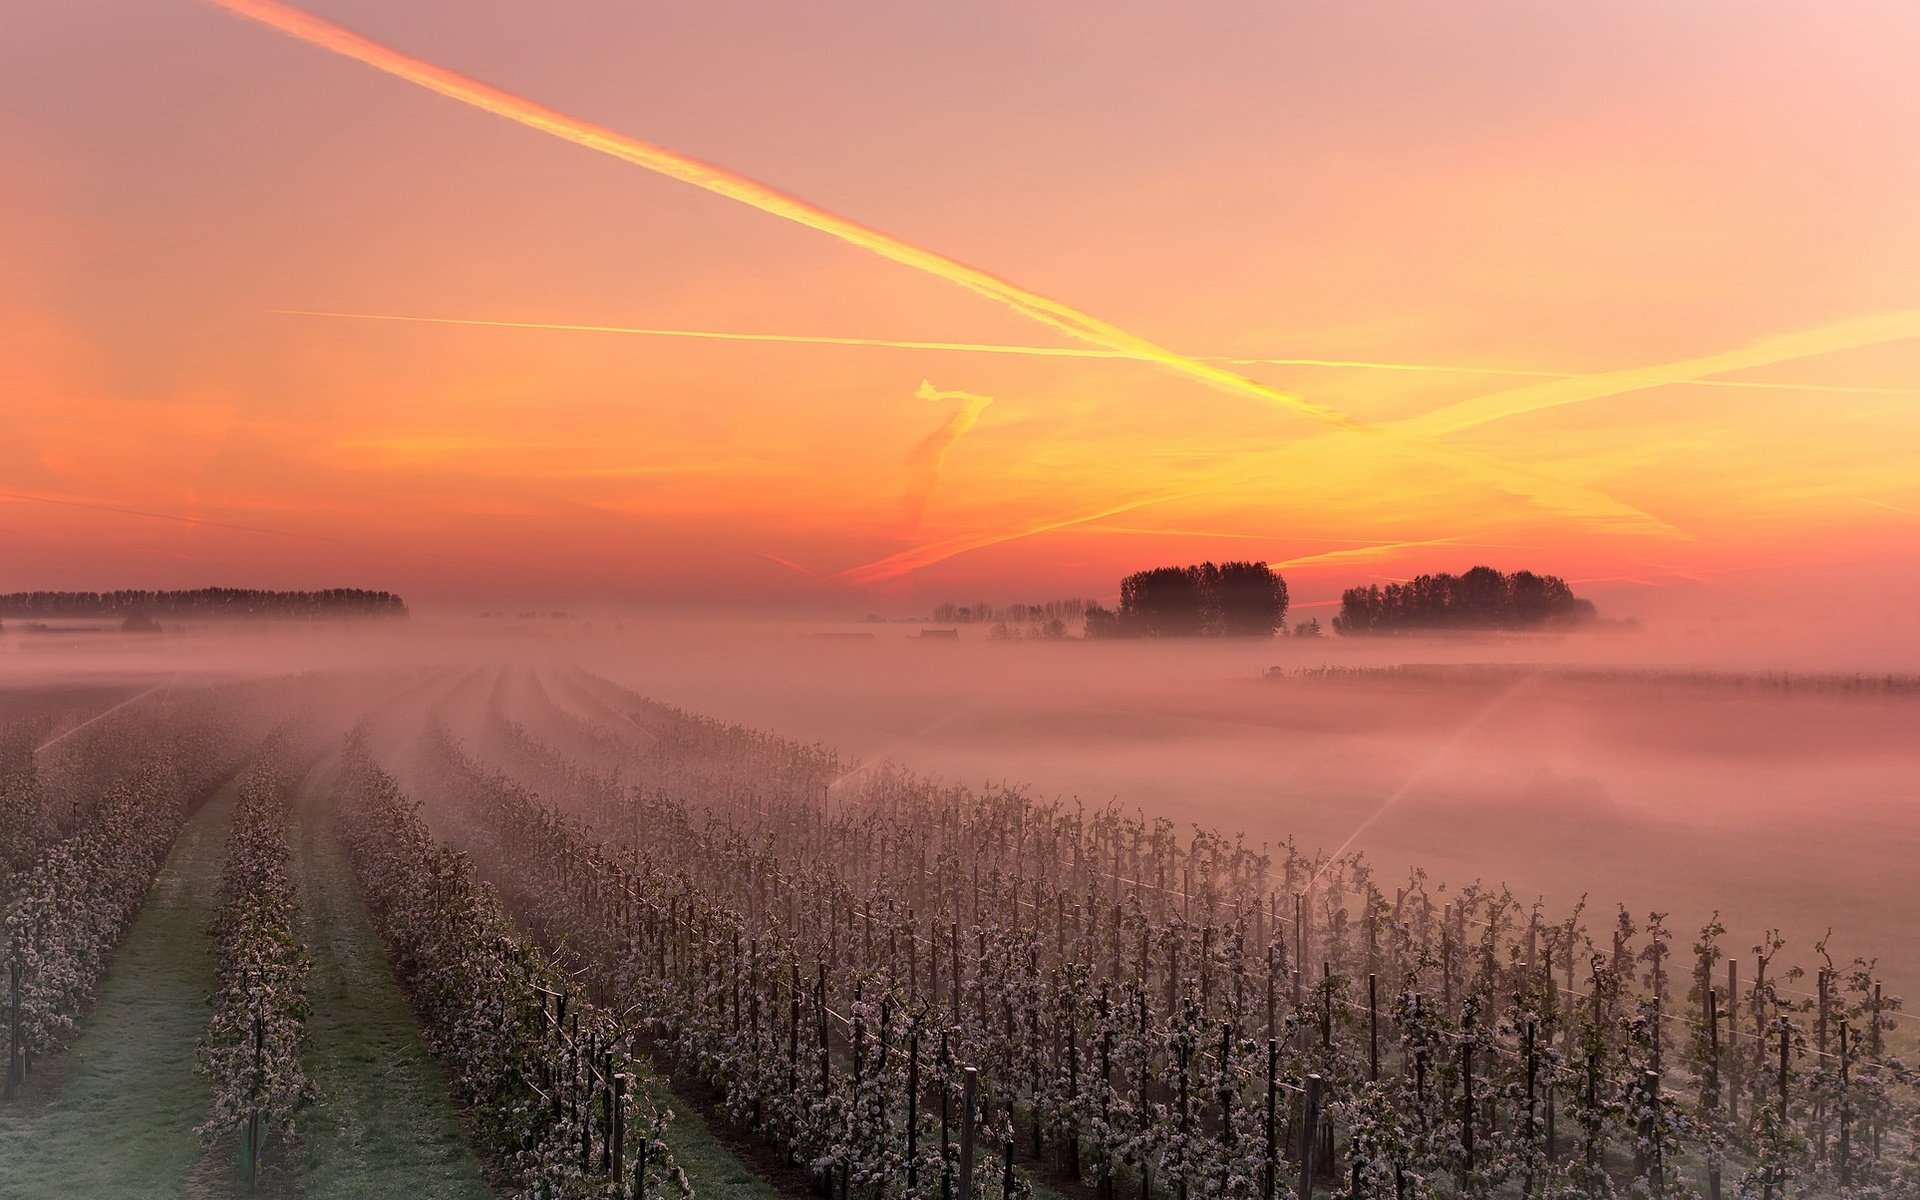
x: 1622, y: 294
x: 756, y: 600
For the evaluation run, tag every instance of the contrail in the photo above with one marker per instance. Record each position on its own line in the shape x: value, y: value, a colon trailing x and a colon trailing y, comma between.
x: 930, y: 455
x: 1076, y: 352
x: 789, y: 564
x: 1142, y: 531
x: 722, y: 335
x: 160, y: 516
x: 916, y: 557
x: 285, y: 533
x: 1482, y: 410
x: 1081, y: 326
x: 1657, y: 571
x: 1883, y: 504
x: 1361, y: 552
x: 1847, y: 335
x: 1214, y: 534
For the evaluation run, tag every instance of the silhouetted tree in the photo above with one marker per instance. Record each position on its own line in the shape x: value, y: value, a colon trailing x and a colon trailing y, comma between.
x: 1166, y: 601
x: 1101, y: 622
x: 1482, y: 598
x: 1251, y: 599
x: 1234, y: 599
x: 948, y: 613
x: 206, y: 602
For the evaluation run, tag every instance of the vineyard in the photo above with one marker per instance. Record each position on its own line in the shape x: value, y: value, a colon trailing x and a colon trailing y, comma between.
x: 619, y: 926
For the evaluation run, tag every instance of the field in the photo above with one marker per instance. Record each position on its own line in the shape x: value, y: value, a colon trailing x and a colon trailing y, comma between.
x: 462, y: 926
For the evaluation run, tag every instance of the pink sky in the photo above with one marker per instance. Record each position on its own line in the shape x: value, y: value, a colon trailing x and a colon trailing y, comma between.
x: 1582, y: 189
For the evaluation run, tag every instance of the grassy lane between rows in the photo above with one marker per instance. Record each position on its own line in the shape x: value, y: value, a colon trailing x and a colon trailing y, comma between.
x: 382, y: 1123
x: 121, y: 1122
x: 715, y: 1171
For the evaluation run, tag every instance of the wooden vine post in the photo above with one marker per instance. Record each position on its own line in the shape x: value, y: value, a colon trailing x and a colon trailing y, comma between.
x: 15, y: 1064
x: 1270, y: 1182
x: 1315, y: 1103
x: 969, y: 1101
x: 913, y: 1107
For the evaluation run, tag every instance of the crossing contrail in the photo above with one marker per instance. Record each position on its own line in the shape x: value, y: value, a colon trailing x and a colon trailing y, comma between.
x: 924, y: 463
x: 1826, y: 339
x: 1884, y: 504
x: 160, y: 516
x: 1081, y: 326
x: 915, y: 557
x: 1360, y: 552
x: 1457, y: 418
x: 788, y: 563
x: 1348, y: 364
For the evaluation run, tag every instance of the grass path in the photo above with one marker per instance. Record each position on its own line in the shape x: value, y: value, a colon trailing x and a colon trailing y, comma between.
x: 714, y: 1170
x: 121, y: 1123
x: 383, y: 1124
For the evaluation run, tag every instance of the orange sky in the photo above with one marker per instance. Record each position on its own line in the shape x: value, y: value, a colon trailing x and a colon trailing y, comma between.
x: 1617, y: 197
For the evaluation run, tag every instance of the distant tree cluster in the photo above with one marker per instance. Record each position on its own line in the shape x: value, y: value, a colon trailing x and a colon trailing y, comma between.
x: 1483, y: 598
x: 1230, y: 599
x: 1012, y: 614
x: 205, y: 603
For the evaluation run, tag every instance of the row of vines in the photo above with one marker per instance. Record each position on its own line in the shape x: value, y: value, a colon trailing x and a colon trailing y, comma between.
x: 1147, y: 1012
x: 89, y: 817
x: 548, y: 1080
x: 252, y: 1050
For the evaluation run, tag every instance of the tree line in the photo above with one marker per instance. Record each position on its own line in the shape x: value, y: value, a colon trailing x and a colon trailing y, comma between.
x: 1481, y: 599
x: 1013, y: 614
x: 1249, y: 599
x: 205, y: 602
x: 1230, y: 599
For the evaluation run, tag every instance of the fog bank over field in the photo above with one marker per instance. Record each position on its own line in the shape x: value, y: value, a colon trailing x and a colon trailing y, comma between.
x: 1670, y: 771
x: 1662, y: 787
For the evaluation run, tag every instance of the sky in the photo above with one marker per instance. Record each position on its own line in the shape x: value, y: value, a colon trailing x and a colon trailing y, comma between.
x: 1526, y: 264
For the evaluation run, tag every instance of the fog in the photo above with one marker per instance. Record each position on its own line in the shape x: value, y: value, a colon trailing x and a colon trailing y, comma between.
x: 1679, y: 773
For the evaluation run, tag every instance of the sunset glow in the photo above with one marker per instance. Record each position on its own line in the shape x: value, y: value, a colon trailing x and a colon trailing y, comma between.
x: 751, y: 599
x: 1637, y: 342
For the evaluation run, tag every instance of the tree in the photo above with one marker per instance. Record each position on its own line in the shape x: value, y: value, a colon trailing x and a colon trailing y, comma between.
x: 1231, y: 599
x: 1166, y: 602
x: 1102, y: 622
x: 1483, y: 598
x: 1480, y: 598
x: 1251, y: 599
x: 206, y: 602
